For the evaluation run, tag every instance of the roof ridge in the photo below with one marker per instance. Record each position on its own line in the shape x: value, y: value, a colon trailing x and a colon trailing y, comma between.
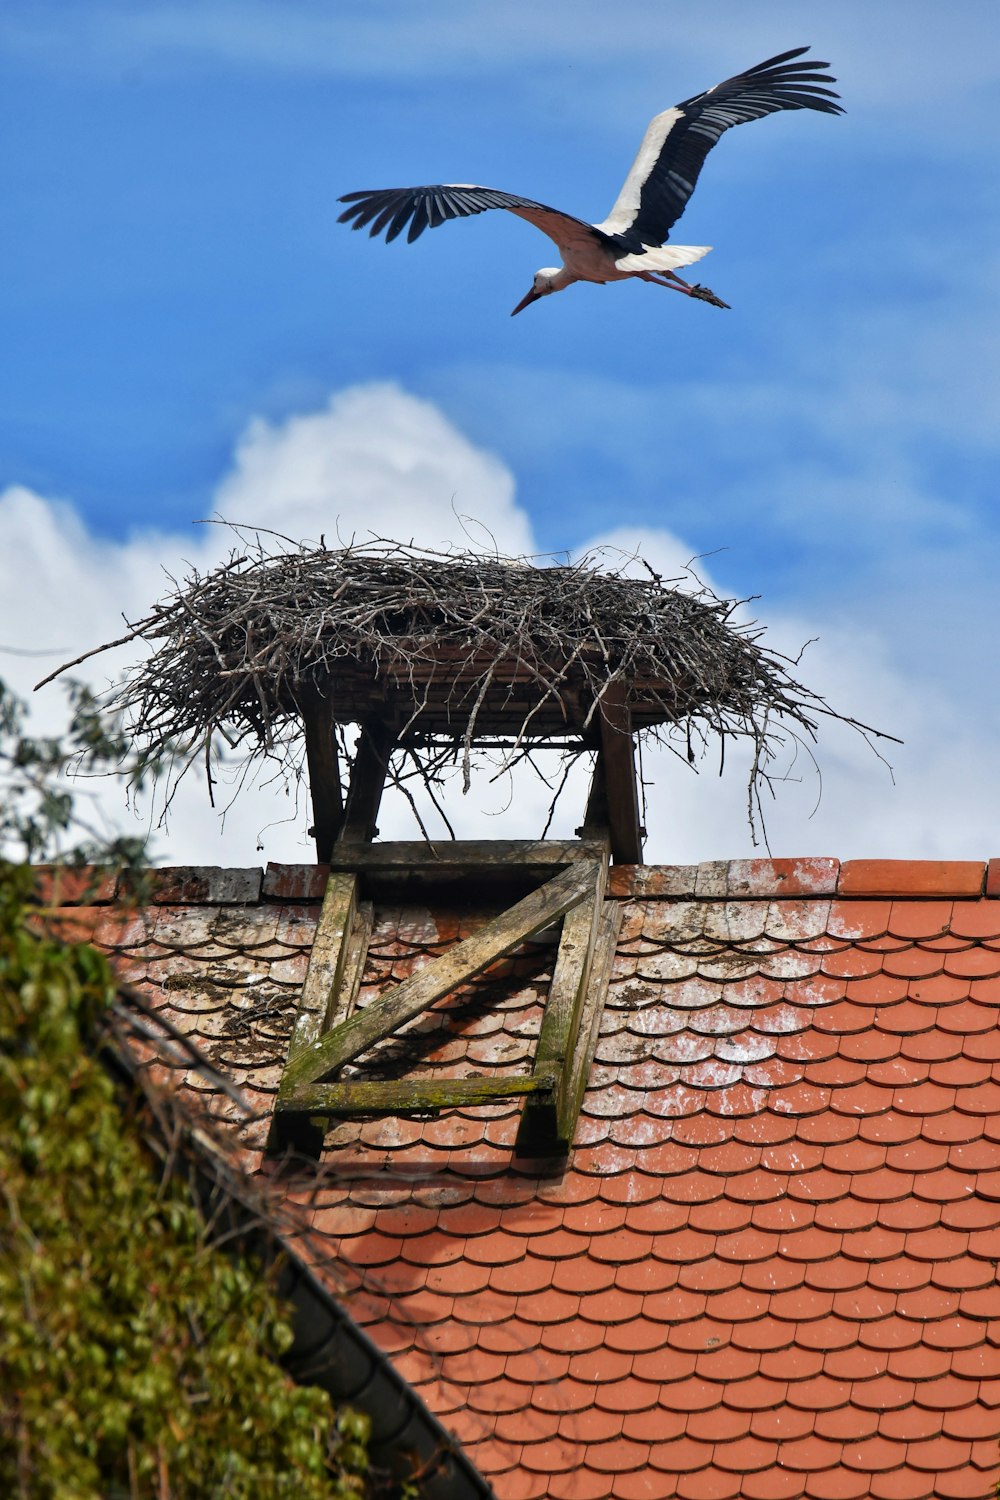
x: 754, y: 879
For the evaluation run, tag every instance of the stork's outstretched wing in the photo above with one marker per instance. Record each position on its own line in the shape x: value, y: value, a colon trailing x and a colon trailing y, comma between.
x: 391, y: 209
x: 673, y: 150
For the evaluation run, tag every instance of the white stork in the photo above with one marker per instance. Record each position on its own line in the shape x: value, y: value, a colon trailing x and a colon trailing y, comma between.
x: 631, y: 241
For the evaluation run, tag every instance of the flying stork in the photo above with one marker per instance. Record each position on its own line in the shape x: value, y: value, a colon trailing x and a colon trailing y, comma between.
x: 631, y: 241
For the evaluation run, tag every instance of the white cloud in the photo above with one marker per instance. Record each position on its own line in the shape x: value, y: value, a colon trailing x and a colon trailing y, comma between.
x: 375, y: 460
x: 378, y: 459
x: 936, y: 797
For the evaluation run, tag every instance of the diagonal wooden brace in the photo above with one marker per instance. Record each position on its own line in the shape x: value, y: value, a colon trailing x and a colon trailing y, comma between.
x: 329, y: 1033
x: 320, y: 1056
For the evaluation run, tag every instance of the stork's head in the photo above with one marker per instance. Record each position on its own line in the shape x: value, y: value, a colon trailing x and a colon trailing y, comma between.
x: 548, y: 279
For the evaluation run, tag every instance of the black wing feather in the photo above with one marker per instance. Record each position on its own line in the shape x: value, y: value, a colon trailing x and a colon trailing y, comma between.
x: 771, y: 86
x: 423, y: 207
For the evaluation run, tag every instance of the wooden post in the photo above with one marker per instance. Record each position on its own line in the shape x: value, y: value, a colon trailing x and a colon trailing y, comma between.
x: 617, y: 757
x: 371, y: 763
x: 595, y: 819
x: 323, y: 764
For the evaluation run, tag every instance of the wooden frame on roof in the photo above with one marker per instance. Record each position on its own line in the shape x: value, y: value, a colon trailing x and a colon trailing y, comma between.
x: 329, y: 1032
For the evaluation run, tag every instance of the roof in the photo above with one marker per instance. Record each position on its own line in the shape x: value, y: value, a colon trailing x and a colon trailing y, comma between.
x: 768, y: 1269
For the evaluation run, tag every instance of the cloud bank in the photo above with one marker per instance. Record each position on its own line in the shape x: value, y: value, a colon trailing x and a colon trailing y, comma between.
x: 378, y: 461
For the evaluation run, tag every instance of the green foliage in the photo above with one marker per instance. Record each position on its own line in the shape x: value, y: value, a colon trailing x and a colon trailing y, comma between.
x: 135, y: 1359
x: 40, y: 817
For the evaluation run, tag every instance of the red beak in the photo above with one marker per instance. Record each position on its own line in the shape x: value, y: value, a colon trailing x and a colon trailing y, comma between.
x: 532, y: 296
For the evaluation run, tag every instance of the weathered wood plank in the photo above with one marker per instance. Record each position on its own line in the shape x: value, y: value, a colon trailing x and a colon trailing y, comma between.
x: 576, y: 1073
x: 570, y: 976
x: 323, y: 982
x: 459, y: 858
x: 540, y: 1123
x: 325, y: 972
x: 367, y: 1096
x: 345, y: 995
x: 461, y: 963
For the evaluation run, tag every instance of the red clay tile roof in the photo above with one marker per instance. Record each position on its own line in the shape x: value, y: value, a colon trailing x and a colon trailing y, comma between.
x: 769, y: 1269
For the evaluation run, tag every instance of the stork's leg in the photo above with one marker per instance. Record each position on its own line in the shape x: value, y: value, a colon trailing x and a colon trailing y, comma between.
x: 675, y: 284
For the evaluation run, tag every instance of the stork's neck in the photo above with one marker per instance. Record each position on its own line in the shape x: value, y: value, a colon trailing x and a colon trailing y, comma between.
x: 553, y: 279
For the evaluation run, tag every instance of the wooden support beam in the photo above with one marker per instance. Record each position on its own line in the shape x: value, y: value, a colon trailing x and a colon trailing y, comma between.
x: 345, y: 994
x: 618, y: 756
x: 323, y: 765
x: 399, y: 1096
x: 330, y: 1032
x: 595, y: 819
x: 323, y: 982
x: 371, y: 764
x: 493, y: 861
x: 540, y: 1122
x: 576, y: 1073
x: 461, y: 963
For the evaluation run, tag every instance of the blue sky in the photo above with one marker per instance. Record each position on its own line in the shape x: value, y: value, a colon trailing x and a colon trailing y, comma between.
x: 175, y: 292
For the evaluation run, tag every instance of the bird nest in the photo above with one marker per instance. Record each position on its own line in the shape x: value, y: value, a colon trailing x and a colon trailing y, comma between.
x: 452, y: 652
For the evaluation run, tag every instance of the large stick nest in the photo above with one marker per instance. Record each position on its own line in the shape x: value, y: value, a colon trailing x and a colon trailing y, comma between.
x: 452, y: 651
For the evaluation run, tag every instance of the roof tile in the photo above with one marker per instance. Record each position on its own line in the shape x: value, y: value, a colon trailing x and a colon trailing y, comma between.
x: 658, y: 1423
x: 647, y: 1276
x: 642, y: 1334
x: 773, y: 1484
x: 720, y: 1218
x: 972, y: 1214
x: 557, y: 1455
x: 758, y: 1393
x: 781, y: 1210
x: 847, y: 1214
x: 558, y: 1394
x: 856, y: 1363
x: 547, y: 1306
x: 687, y: 1392
x: 636, y: 1484
x: 579, y: 1275
x: 971, y: 1421
x: 709, y: 1276
x: 837, y: 1484
x: 746, y: 1455
x: 911, y: 877
x: 926, y: 1303
x: 792, y: 1363
x: 932, y: 1363
x: 570, y: 1337
x: 737, y: 1362
x: 809, y: 1455
x: 627, y: 1396
x: 785, y: 1214
x: 709, y: 1484
x: 518, y: 1276
x: 890, y: 1333
x: 902, y: 1484
x: 599, y: 1363
x: 938, y: 1454
x: 521, y: 1485
x: 973, y: 961
x: 679, y: 1455
x: 719, y: 1424
x: 960, y: 1484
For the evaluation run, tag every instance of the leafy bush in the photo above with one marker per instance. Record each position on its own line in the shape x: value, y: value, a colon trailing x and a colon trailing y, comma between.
x: 136, y: 1359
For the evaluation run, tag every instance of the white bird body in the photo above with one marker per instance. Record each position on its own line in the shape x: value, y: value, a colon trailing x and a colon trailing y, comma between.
x: 631, y: 241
